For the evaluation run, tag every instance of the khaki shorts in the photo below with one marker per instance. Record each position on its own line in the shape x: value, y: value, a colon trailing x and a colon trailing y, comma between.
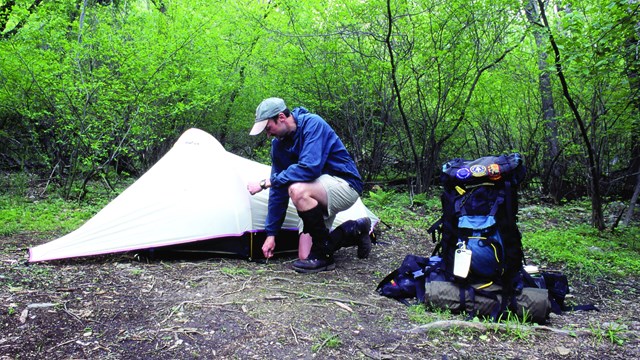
x: 340, y: 197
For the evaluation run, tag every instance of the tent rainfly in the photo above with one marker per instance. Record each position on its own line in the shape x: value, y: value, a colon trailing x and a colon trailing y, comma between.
x: 195, y: 192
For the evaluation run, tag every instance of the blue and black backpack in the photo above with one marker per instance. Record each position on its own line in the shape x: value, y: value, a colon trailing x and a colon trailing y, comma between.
x: 479, y: 209
x: 479, y: 213
x: 479, y: 218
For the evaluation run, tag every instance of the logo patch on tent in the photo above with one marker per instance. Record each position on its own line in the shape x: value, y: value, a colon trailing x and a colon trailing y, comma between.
x: 494, y: 171
x: 478, y: 170
x: 463, y: 173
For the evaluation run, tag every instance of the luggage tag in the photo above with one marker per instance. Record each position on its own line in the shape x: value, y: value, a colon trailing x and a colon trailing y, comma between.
x: 462, y: 261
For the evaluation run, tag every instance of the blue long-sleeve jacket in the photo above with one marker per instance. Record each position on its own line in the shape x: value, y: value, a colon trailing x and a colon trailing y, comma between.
x: 312, y: 150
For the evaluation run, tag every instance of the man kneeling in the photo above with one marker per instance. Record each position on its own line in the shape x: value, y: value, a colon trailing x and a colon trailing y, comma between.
x: 311, y: 166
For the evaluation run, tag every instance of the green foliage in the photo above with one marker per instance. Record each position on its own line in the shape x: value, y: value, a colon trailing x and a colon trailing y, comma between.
x: 421, y: 314
x: 590, y: 252
x: 19, y: 215
x: 235, y: 271
x: 96, y: 90
x: 328, y: 340
x: 611, y: 332
x: 395, y: 209
x: 381, y: 198
x: 516, y: 327
x: 100, y: 90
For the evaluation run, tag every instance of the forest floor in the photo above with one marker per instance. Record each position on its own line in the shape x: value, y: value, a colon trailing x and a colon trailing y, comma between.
x: 118, y: 307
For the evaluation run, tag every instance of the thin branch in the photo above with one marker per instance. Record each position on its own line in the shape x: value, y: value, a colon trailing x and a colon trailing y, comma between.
x: 485, y: 327
x: 314, y: 297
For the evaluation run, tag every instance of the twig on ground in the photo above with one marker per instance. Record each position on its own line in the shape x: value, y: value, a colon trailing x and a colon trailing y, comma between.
x: 199, y: 303
x: 215, y: 304
x: 62, y: 344
x: 71, y: 313
x: 374, y: 354
x: 181, y: 330
x: 153, y: 284
x: 100, y: 346
x: 295, y: 337
x: 483, y: 327
x: 328, y: 298
x: 299, y: 331
x: 277, y: 278
x: 244, y: 286
x: 343, y: 306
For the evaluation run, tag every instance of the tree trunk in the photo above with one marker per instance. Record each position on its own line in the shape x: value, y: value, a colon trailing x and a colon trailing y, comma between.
x: 632, y: 203
x: 551, y: 163
x: 632, y: 59
x: 597, y: 217
x: 396, y: 89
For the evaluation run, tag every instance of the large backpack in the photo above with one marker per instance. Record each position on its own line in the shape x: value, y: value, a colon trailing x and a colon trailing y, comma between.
x: 479, y: 214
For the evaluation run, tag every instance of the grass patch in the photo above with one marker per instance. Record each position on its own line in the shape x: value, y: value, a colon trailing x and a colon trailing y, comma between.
x: 236, y: 271
x: 423, y: 314
x: 399, y: 210
x: 516, y: 327
x: 588, y: 250
x: 327, y: 340
x: 19, y: 215
x: 611, y: 332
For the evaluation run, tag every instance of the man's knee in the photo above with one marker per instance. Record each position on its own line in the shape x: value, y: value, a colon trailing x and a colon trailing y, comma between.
x: 307, y: 195
x: 298, y: 192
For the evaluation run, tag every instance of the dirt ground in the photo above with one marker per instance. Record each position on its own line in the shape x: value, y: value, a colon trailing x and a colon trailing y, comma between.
x: 118, y: 307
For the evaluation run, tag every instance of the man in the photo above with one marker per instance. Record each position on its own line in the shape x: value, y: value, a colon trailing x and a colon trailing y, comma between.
x: 311, y: 166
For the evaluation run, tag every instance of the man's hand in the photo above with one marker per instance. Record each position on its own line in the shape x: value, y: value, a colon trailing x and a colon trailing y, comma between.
x: 254, y: 187
x: 269, y: 246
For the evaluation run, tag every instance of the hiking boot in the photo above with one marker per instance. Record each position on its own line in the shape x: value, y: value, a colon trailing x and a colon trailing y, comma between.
x: 363, y: 226
x: 314, y: 265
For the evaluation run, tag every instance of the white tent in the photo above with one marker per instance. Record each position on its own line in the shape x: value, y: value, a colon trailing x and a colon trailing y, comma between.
x: 197, y: 191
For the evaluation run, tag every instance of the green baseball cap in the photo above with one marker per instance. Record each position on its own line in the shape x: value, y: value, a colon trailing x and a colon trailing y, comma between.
x: 267, y: 109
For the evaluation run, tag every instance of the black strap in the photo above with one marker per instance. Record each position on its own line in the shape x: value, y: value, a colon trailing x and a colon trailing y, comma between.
x: 463, y: 300
x: 586, y: 307
x: 498, y: 309
x: 436, y: 250
x: 509, y: 201
x: 435, y: 227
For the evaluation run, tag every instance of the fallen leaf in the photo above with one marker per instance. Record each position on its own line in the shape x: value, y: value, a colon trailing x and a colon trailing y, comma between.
x: 344, y: 306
